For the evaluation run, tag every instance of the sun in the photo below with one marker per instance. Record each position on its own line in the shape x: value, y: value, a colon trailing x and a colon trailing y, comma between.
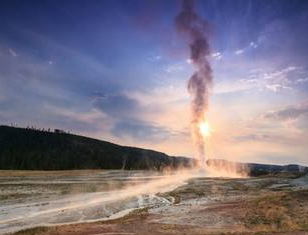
x: 204, y: 128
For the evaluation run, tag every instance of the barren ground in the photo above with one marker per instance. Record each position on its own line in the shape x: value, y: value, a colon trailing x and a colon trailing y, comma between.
x: 276, y: 204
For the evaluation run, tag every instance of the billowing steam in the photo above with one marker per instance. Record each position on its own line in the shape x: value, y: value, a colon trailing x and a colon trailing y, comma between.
x: 189, y: 22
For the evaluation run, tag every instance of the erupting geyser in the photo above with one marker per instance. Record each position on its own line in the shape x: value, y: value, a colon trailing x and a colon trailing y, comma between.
x: 189, y: 22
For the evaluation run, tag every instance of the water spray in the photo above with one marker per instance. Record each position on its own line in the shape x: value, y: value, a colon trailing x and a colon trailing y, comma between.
x: 200, y: 83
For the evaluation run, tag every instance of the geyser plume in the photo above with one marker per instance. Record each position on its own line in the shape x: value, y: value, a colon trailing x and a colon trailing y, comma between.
x: 189, y: 22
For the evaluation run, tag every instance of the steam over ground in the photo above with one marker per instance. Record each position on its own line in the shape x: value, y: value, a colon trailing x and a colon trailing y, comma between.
x: 83, y: 196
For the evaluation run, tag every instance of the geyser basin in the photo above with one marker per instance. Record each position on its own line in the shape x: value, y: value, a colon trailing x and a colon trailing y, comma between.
x: 59, y: 198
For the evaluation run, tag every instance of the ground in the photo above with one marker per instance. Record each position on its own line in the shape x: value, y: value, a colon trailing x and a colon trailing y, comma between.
x: 274, y: 204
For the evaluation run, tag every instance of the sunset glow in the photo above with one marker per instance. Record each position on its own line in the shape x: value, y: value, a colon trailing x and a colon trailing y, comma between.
x: 204, y: 128
x: 135, y: 92
x: 154, y: 117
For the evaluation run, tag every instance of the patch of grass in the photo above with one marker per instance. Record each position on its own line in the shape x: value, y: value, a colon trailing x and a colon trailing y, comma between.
x: 31, y: 231
x: 141, y: 211
x: 239, y: 186
x: 14, y: 196
x: 193, y: 191
x: 176, y: 196
x: 91, y: 188
x: 64, y: 192
x: 285, y: 211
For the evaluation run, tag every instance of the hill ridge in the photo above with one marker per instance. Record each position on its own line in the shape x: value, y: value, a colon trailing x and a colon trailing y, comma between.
x: 32, y: 149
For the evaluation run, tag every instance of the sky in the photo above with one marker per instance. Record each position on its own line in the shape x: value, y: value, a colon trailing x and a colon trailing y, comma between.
x: 118, y: 71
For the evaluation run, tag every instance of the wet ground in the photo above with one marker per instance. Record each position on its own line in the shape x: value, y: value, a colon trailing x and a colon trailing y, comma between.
x: 31, y: 199
x: 179, y: 204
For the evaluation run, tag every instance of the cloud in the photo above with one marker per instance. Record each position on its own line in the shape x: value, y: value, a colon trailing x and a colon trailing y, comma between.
x: 12, y: 52
x: 276, y: 87
x: 217, y: 55
x: 173, y: 68
x: 117, y: 105
x: 127, y: 115
x: 41, y: 92
x: 189, y: 61
x: 154, y: 58
x: 274, y: 80
x: 252, y: 45
x: 280, y: 130
x: 280, y: 73
x: 82, y: 98
x: 301, y: 80
x: 282, y: 79
x: 255, y: 137
x: 238, y: 52
x: 140, y: 130
x: 89, y: 120
x: 288, y: 113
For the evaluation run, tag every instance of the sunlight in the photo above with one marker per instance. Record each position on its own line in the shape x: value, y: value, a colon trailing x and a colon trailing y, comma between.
x: 204, y: 128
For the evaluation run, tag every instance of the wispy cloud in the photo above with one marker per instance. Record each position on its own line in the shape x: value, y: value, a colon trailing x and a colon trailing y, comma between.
x: 217, y: 55
x: 173, y: 68
x: 154, y: 57
x: 278, y: 132
x: 252, y: 45
x: 240, y: 51
x: 274, y: 81
x: 12, y: 52
x: 277, y: 87
x: 281, y: 74
x: 288, y: 113
x: 302, y: 80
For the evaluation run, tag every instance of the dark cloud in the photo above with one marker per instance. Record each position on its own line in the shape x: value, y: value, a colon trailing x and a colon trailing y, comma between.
x: 139, y: 130
x: 117, y: 106
x: 126, y: 113
x: 288, y: 113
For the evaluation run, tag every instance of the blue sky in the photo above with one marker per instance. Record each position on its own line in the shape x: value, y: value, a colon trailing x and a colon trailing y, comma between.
x: 117, y: 70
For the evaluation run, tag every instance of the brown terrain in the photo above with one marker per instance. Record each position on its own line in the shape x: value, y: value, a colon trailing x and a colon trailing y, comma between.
x: 276, y: 204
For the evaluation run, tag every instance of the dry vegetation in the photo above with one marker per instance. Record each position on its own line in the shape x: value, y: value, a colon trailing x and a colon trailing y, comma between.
x: 283, y: 211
